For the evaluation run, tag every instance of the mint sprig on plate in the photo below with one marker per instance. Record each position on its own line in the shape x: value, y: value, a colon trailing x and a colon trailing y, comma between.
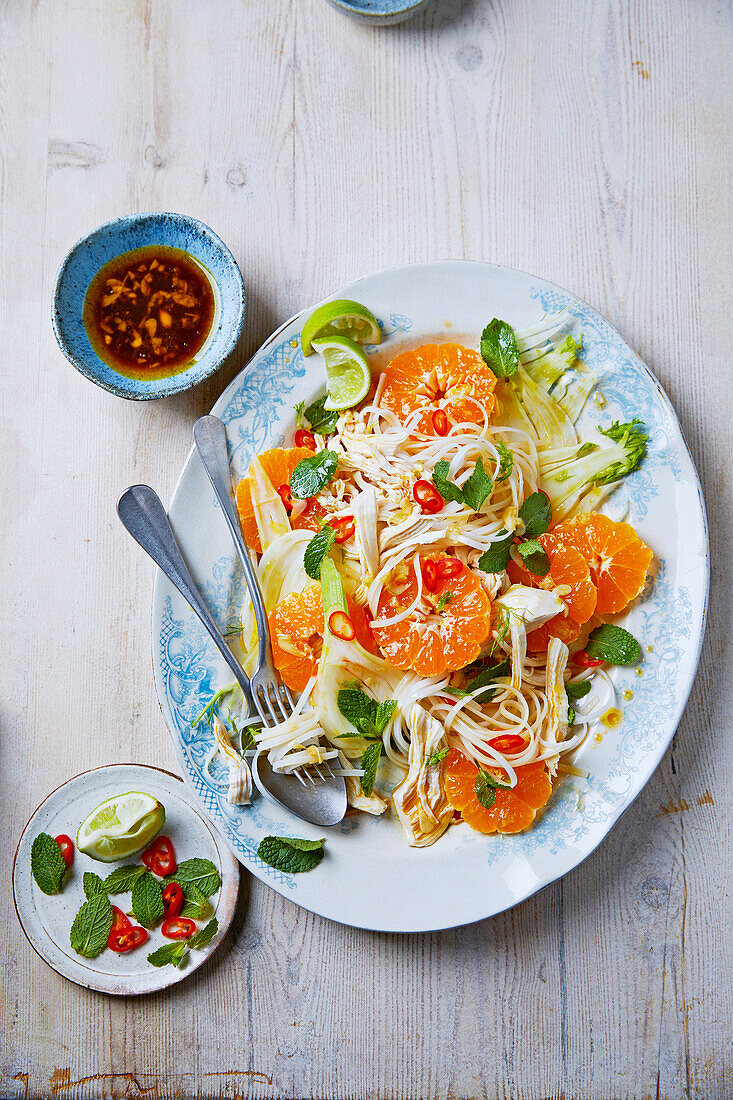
x: 486, y: 786
x: 313, y: 474
x: 91, y: 928
x: 499, y: 348
x: 613, y: 644
x: 147, y: 900
x: 47, y: 865
x: 291, y: 855
x: 536, y: 515
x: 196, y: 872
x: 123, y: 878
x: 475, y: 489
x: 317, y: 549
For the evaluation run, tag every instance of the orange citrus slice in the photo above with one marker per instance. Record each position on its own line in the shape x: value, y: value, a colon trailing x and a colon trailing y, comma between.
x: 569, y: 571
x: 435, y: 641
x: 619, y: 561
x: 513, y: 810
x: 296, y: 634
x: 438, y: 376
x: 278, y: 464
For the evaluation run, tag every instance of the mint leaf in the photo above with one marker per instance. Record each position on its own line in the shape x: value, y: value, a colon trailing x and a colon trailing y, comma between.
x: 444, y: 599
x: 206, y: 934
x: 506, y: 461
x: 577, y: 690
x: 91, y: 927
x: 356, y: 705
x: 478, y: 487
x: 536, y: 513
x: 198, y: 872
x: 447, y: 489
x: 321, y: 420
x: 370, y: 763
x: 47, y: 865
x: 534, y: 557
x: 285, y: 854
x: 487, y: 675
x: 613, y: 644
x: 147, y: 901
x: 92, y: 884
x: 496, y: 558
x: 436, y: 757
x: 195, y: 904
x: 385, y: 710
x: 486, y: 787
x: 316, y: 551
x: 174, y: 954
x: 313, y: 474
x: 123, y: 879
x: 499, y: 348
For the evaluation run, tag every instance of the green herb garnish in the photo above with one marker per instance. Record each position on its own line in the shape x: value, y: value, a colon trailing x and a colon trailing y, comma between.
x: 370, y: 763
x: 444, y: 599
x: 506, y: 461
x: 47, y: 864
x: 317, y: 549
x: 147, y: 900
x: 92, y: 925
x: 496, y: 558
x: 499, y: 348
x: 291, y: 855
x: 321, y: 420
x: 366, y: 715
x: 436, y: 757
x: 92, y: 885
x: 475, y: 489
x: 123, y: 879
x: 197, y: 872
x: 486, y: 787
x: 487, y: 675
x: 207, y: 714
x: 195, y: 903
x: 174, y: 954
x: 313, y: 474
x: 578, y: 689
x: 535, y: 513
x: 534, y: 557
x: 613, y: 644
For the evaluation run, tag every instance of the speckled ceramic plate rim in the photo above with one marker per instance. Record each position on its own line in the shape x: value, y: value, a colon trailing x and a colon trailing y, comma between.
x: 561, y: 864
x: 82, y: 973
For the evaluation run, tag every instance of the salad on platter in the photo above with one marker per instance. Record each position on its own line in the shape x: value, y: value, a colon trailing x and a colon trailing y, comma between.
x: 441, y: 585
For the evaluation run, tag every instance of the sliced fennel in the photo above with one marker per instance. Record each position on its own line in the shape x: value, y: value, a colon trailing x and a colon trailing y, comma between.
x: 569, y: 473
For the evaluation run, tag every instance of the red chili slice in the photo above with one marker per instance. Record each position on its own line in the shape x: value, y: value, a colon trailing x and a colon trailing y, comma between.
x: 507, y: 743
x: 427, y: 496
x: 582, y: 659
x: 430, y: 575
x: 172, y: 899
x: 160, y: 857
x: 440, y: 422
x: 341, y: 626
x: 127, y: 939
x: 66, y: 847
x: 178, y: 928
x: 344, y: 527
x: 283, y: 491
x: 304, y: 438
x: 120, y: 923
x: 449, y: 567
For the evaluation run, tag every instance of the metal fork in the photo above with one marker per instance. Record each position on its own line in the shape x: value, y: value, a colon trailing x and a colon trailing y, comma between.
x: 142, y: 513
x: 210, y: 437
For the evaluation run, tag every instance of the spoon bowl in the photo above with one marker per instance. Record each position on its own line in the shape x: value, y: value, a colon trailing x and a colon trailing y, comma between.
x: 321, y: 804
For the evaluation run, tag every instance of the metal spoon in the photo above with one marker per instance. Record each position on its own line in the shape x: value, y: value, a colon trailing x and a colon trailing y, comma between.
x: 142, y: 513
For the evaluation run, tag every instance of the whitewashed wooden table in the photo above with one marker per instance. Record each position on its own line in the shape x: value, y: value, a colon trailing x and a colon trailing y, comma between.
x: 587, y: 141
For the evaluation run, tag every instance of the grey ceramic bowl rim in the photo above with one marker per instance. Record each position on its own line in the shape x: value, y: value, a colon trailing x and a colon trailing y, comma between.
x: 410, y: 7
x: 185, y: 383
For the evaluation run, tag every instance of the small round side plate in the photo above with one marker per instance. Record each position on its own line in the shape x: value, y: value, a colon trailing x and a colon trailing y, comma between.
x: 47, y: 921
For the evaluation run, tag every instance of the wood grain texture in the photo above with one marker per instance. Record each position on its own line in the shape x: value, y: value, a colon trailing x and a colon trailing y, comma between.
x: 587, y: 141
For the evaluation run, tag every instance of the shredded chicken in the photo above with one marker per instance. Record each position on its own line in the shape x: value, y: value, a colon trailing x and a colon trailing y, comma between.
x: 419, y: 800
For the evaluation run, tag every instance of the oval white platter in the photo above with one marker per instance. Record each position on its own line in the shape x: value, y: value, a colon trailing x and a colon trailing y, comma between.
x: 47, y: 921
x: 370, y: 878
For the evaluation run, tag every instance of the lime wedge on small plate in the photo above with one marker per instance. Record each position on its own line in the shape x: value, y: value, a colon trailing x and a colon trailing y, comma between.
x: 347, y: 371
x: 120, y: 826
x: 341, y: 318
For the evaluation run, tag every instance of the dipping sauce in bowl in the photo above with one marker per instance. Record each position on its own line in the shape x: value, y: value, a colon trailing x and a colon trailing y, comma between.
x: 148, y: 313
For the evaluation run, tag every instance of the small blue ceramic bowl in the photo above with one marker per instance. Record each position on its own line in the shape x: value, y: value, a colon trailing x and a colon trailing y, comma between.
x: 380, y: 13
x: 122, y: 235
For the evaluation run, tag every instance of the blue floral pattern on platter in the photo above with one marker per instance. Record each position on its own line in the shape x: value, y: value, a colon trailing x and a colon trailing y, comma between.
x: 257, y: 409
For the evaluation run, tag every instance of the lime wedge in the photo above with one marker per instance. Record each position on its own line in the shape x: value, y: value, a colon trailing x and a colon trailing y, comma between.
x: 341, y: 318
x: 347, y: 371
x: 121, y: 826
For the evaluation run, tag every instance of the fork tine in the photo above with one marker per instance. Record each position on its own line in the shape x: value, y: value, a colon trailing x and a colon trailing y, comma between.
x: 276, y: 691
x: 327, y: 766
x: 298, y: 776
x: 266, y: 695
x: 320, y: 773
x: 285, y: 690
